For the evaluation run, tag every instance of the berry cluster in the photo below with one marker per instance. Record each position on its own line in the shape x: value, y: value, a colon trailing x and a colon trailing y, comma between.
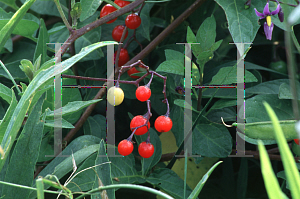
x: 132, y: 21
x: 140, y: 124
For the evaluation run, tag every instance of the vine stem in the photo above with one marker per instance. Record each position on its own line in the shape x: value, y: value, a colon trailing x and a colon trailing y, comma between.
x: 61, y: 12
x: 127, y: 186
x: 9, y: 75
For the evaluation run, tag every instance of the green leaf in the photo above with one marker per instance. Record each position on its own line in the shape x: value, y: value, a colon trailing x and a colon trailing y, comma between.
x: 211, y: 140
x: 96, y: 126
x: 227, y: 75
x: 285, y: 91
x: 23, y: 105
x: 148, y: 163
x: 269, y: 87
x: 206, y: 34
x: 202, y: 182
x: 172, y: 66
x: 5, y: 93
x: 12, y: 23
x: 242, y: 23
x: 190, y: 37
x: 82, y: 147
x: 72, y: 107
x: 64, y: 124
x: 103, y: 176
x: 22, y: 162
x: 11, y: 3
x: 169, y: 182
x: 43, y: 39
x: 144, y: 28
x: 27, y: 67
x: 89, y: 7
x: 288, y: 160
x: 46, y: 7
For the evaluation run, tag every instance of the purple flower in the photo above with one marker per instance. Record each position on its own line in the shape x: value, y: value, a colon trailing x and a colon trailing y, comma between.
x: 268, y: 25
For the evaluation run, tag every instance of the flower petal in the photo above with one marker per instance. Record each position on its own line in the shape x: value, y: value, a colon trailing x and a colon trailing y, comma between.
x: 275, y: 12
x: 268, y: 30
x: 266, y: 10
x: 259, y: 14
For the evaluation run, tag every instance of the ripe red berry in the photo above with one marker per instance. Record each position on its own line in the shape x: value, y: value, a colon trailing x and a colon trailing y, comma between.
x: 143, y: 93
x: 146, y: 150
x: 139, y: 120
x: 122, y: 3
x: 131, y: 71
x: 125, y: 147
x: 107, y: 9
x: 296, y: 141
x: 163, y: 124
x: 123, y: 58
x: 133, y: 21
x: 118, y: 31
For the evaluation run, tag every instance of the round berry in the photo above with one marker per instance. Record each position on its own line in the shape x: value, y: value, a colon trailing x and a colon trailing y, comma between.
x: 131, y: 71
x: 139, y: 120
x: 143, y: 93
x: 107, y: 9
x: 133, y: 21
x: 296, y: 141
x: 125, y: 147
x: 146, y: 150
x: 118, y: 31
x: 115, y: 96
x: 122, y: 3
x: 163, y: 124
x: 123, y: 57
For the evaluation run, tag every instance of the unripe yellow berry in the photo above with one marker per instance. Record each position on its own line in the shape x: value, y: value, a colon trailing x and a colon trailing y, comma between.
x: 115, y: 96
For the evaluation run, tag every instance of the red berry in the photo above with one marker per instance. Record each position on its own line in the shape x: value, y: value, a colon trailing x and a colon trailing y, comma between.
x: 143, y: 93
x: 118, y: 31
x: 163, y: 124
x: 107, y: 9
x: 146, y: 150
x: 133, y: 21
x: 123, y: 58
x: 122, y: 3
x: 131, y: 71
x: 125, y: 147
x: 296, y: 141
x: 139, y: 120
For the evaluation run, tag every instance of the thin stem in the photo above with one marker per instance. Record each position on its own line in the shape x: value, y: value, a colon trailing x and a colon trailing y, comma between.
x: 62, y: 14
x: 11, y: 77
x: 127, y: 186
x: 295, y: 40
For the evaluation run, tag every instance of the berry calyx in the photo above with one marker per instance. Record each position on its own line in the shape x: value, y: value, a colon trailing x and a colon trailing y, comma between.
x: 107, y: 9
x: 163, y: 124
x: 123, y: 57
x: 115, y: 96
x: 133, y: 21
x: 143, y: 93
x: 296, y: 141
x: 139, y: 120
x: 122, y: 3
x: 125, y: 147
x: 118, y: 32
x: 146, y: 150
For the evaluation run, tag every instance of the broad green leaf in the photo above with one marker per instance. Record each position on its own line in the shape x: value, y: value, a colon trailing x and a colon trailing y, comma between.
x: 11, y: 3
x: 269, y: 87
x: 288, y: 160
x: 168, y: 181
x: 227, y: 75
x: 206, y: 34
x: 242, y: 23
x: 285, y: 91
x: 96, y: 126
x: 22, y: 162
x: 47, y: 7
x: 46, y: 148
x: 103, y: 176
x: 43, y: 39
x: 89, y: 7
x: 202, y: 182
x: 222, y: 103
x: 211, y: 140
x: 148, y: 163
x: 8, y: 29
x: 255, y: 141
x: 283, y: 108
x: 72, y: 107
x: 181, y: 103
x: 190, y: 36
x: 271, y: 183
x: 144, y: 29
x: 82, y: 147
x: 23, y: 105
x: 172, y: 66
